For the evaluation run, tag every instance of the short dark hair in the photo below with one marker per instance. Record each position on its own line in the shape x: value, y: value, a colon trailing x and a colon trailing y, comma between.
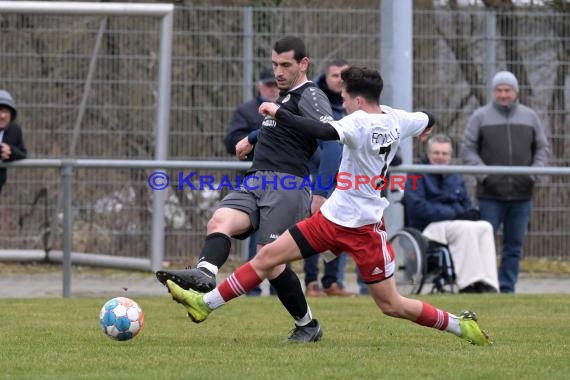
x: 338, y: 62
x: 289, y: 43
x: 362, y: 81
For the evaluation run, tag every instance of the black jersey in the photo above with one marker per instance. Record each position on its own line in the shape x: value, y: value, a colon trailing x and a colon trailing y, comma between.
x: 288, y: 150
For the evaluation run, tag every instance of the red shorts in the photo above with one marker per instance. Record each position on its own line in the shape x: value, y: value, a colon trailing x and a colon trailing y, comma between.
x: 366, y: 245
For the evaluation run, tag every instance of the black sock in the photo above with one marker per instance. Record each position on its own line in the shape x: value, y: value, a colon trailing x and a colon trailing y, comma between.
x: 216, y: 249
x: 290, y: 293
x: 313, y: 323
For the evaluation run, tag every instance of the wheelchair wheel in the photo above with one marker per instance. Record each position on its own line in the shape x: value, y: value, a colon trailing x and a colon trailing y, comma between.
x: 440, y: 270
x: 409, y: 248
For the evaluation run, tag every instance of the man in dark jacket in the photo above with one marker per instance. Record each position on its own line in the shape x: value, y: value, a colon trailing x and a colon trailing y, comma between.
x: 439, y: 206
x: 246, y: 117
x: 11, y: 140
x: 505, y: 132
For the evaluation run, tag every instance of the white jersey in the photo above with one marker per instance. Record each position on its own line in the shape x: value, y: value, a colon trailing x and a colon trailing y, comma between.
x: 370, y: 142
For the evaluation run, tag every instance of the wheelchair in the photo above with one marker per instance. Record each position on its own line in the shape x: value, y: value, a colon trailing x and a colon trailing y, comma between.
x: 420, y: 262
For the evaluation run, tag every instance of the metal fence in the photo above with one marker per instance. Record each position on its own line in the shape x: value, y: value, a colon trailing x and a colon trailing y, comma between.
x: 217, y: 54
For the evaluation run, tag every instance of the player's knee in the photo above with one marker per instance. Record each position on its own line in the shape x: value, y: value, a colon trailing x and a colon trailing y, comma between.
x: 264, y: 259
x: 390, y: 308
x: 218, y: 222
x: 213, y: 225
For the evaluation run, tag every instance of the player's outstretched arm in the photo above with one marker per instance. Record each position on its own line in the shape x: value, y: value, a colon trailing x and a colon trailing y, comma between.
x: 429, y: 128
x: 313, y: 128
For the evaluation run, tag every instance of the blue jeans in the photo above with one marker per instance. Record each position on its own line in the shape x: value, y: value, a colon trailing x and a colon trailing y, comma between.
x: 514, y: 216
x: 363, y: 289
x: 311, y: 267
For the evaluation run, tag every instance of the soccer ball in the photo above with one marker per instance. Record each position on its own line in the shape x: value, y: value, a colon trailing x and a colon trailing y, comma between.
x: 121, y: 318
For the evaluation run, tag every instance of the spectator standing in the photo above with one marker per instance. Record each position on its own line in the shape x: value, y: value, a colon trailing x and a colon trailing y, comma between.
x: 505, y: 132
x: 11, y: 138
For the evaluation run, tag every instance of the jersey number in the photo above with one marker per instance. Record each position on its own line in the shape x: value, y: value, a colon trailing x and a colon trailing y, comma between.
x: 384, y: 152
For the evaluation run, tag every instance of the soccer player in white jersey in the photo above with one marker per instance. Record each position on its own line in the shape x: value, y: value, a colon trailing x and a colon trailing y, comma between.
x: 351, y: 219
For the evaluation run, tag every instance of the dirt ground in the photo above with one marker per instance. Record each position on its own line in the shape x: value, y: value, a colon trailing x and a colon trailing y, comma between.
x: 33, y: 281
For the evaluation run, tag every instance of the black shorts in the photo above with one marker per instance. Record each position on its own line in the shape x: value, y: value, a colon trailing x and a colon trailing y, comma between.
x: 272, y: 208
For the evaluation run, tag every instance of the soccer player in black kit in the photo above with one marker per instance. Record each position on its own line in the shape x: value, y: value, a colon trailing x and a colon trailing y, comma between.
x: 263, y: 204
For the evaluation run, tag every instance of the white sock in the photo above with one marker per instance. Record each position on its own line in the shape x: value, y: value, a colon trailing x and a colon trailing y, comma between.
x: 210, y: 267
x: 214, y: 299
x: 306, y: 319
x: 453, y: 325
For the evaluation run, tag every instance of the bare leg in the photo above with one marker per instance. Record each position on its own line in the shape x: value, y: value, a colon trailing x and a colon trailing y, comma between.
x: 268, y: 263
x: 394, y: 305
x: 225, y: 222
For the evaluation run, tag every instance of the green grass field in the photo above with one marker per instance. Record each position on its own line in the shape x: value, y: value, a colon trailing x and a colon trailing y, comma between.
x: 61, y: 339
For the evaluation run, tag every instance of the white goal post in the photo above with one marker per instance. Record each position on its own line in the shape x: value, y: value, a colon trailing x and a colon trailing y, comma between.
x: 166, y: 14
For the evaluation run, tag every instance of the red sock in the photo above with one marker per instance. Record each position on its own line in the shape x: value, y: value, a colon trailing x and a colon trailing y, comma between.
x: 240, y: 282
x: 433, y: 317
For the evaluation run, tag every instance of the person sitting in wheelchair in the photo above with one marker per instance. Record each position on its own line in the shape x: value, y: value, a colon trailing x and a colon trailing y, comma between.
x: 440, y: 207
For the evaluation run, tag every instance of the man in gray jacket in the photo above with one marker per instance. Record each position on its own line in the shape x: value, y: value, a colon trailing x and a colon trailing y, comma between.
x: 505, y: 132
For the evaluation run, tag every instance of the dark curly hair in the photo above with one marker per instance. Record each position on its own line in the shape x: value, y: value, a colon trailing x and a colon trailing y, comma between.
x: 362, y: 81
